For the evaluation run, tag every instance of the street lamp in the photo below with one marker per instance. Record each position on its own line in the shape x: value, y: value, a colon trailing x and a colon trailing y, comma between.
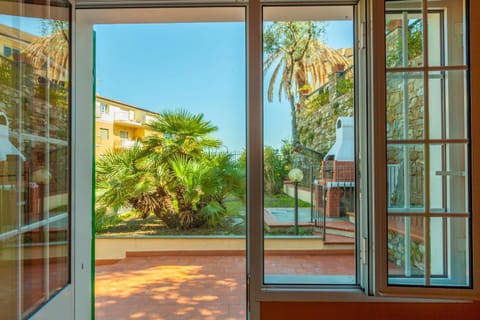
x: 296, y: 175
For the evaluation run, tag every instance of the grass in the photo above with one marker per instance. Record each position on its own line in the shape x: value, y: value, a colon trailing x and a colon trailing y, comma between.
x: 131, y: 224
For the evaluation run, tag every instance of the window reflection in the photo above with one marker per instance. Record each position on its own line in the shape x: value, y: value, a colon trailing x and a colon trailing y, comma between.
x: 34, y: 156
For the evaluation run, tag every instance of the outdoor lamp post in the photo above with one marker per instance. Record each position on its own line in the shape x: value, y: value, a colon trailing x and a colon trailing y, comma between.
x: 296, y: 175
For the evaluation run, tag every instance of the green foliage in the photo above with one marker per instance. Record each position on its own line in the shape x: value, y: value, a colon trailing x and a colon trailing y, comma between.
x: 172, y: 174
x: 274, y: 168
x: 415, y: 45
x: 344, y: 86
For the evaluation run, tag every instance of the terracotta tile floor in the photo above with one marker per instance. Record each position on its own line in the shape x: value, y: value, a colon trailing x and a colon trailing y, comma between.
x: 192, y: 287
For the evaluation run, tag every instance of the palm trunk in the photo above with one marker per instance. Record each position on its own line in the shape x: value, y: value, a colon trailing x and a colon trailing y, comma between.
x: 293, y: 113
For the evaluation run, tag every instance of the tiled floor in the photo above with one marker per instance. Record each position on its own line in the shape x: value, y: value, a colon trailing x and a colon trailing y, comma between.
x: 192, y: 287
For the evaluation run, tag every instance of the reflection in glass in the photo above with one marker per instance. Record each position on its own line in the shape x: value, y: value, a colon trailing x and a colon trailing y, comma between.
x: 403, y: 35
x: 9, y: 278
x: 406, y: 177
x: 34, y: 152
x: 405, y: 106
x: 449, y: 178
x: 448, y: 26
x: 449, y: 247
x: 58, y: 254
x: 33, y: 269
x: 406, y: 246
x: 447, y: 105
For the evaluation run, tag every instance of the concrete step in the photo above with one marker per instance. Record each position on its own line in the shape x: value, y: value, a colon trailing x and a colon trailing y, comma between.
x: 339, y: 228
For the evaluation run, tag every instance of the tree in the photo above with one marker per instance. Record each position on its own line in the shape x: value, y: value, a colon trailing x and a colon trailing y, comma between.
x: 297, y: 57
x: 172, y: 174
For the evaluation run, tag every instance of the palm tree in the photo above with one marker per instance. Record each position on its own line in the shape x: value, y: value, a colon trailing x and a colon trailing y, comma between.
x: 171, y: 175
x: 51, y: 51
x: 297, y: 57
x: 186, y: 133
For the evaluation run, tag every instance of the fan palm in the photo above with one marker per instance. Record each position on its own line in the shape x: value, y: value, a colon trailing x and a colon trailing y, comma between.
x: 186, y: 133
x: 51, y: 51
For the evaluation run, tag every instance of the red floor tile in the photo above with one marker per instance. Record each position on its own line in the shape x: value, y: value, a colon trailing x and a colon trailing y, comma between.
x: 193, y: 287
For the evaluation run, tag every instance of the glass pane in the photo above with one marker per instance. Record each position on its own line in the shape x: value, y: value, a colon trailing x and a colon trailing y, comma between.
x: 449, y: 178
x: 9, y: 278
x: 34, y: 153
x: 8, y: 194
x: 404, y: 33
x: 59, y: 181
x: 33, y: 270
x: 406, y: 177
x: 405, y: 106
x: 59, y: 254
x: 446, y: 32
x: 447, y: 105
x: 436, y: 44
x: 37, y: 182
x: 309, y: 162
x: 406, y: 250
x: 449, y: 247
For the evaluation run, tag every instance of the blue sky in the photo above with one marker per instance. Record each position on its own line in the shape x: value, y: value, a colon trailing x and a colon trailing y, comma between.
x: 194, y: 66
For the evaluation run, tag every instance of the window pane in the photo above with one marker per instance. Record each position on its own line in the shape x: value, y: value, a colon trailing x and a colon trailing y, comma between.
x: 406, y: 249
x: 449, y: 178
x: 448, y: 105
x: 449, y: 247
x: 406, y: 178
x: 404, y: 33
x: 309, y: 162
x: 405, y: 106
x: 34, y: 151
x: 9, y: 278
x: 58, y: 253
x: 33, y: 271
x: 446, y: 32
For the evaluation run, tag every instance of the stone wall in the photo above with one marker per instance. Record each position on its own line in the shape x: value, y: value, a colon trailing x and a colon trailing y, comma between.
x: 317, y: 114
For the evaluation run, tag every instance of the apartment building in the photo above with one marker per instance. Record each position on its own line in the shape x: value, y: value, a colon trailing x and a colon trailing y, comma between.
x: 119, y: 125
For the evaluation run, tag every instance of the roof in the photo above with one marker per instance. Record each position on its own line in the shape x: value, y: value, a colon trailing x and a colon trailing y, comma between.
x: 16, y: 34
x: 116, y: 102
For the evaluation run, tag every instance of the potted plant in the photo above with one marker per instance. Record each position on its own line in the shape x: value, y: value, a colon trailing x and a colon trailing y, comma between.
x: 305, y: 89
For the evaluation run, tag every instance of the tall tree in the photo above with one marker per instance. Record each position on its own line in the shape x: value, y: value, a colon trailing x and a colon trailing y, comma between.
x: 296, y: 57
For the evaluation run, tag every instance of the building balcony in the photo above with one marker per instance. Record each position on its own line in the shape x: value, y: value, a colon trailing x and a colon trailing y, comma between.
x: 124, y: 143
x: 126, y: 119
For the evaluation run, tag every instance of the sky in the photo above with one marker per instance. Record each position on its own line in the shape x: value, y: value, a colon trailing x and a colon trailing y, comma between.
x: 200, y: 67
x: 195, y: 66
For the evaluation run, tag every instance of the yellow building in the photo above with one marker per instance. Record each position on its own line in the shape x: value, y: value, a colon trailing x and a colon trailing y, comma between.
x: 13, y: 41
x: 119, y: 125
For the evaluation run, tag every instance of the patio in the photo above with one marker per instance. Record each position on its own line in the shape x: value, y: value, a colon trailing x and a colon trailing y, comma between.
x: 203, y: 287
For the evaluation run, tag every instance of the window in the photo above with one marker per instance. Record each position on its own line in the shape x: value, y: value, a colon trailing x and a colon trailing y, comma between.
x: 34, y: 159
x: 7, y: 51
x: 104, y: 134
x: 428, y: 201
x: 309, y: 144
x: 123, y: 134
x: 104, y: 107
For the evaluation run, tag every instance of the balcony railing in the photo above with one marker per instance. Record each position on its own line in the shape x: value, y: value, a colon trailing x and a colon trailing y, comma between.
x: 126, y: 118
x: 124, y: 143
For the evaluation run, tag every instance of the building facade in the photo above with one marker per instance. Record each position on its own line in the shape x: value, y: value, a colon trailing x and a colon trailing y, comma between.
x: 119, y: 125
